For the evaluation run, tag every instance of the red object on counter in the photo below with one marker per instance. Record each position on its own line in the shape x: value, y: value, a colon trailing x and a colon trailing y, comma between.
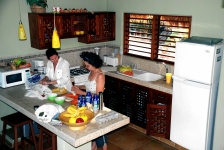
x: 74, y: 97
x: 74, y: 102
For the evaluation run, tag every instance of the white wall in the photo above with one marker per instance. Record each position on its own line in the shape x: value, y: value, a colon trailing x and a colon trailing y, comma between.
x: 9, y: 23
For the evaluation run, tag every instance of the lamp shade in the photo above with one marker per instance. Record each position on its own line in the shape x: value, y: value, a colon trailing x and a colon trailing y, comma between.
x: 55, y: 39
x: 21, y: 31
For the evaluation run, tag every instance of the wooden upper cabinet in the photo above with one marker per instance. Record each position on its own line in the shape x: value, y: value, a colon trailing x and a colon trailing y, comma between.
x: 100, y: 27
x: 88, y: 27
x: 41, y: 30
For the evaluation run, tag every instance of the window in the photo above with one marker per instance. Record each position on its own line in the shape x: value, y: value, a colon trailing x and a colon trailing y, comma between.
x: 154, y: 36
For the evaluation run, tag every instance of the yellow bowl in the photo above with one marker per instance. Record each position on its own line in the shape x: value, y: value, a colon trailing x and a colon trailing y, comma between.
x: 76, y: 126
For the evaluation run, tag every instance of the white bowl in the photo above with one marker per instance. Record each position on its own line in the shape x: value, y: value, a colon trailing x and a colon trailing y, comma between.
x: 59, y: 100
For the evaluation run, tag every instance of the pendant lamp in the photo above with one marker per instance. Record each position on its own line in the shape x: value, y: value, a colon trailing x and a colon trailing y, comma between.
x: 21, y: 30
x: 55, y: 38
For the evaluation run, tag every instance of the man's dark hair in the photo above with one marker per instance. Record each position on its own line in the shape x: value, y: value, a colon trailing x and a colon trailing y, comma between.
x: 50, y: 52
x: 92, y: 59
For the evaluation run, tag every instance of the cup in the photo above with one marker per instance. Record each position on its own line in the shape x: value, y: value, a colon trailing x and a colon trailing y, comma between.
x: 113, y: 54
x: 168, y: 78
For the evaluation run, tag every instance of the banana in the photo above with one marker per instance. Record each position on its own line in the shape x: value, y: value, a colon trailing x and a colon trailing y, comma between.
x: 71, y: 109
x: 82, y: 108
x: 68, y: 115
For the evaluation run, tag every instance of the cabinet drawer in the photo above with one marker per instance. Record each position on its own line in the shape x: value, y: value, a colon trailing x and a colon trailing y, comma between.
x: 161, y: 97
x: 110, y: 81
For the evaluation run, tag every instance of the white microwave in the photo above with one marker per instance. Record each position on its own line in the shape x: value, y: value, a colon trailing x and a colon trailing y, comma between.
x: 9, y: 78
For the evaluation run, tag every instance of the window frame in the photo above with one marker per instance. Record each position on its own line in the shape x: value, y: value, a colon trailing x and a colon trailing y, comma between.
x: 182, y: 25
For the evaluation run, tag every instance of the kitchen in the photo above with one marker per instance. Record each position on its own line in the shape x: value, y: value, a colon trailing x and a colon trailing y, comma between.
x: 207, y: 21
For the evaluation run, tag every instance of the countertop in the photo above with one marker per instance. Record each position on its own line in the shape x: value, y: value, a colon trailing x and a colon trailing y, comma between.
x: 159, y: 85
x: 14, y: 97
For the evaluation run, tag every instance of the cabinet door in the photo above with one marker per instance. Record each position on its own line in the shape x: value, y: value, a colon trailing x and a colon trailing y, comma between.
x: 41, y: 29
x: 100, y: 26
x: 142, y: 95
x: 127, y: 98
x: 65, y: 29
x: 108, y: 26
x: 159, y: 114
x: 157, y: 120
x: 112, y: 93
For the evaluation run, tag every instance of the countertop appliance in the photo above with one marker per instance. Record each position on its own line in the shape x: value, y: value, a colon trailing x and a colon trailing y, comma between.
x: 110, y: 60
x: 195, y: 87
x: 39, y: 65
x: 9, y: 77
x: 79, y: 75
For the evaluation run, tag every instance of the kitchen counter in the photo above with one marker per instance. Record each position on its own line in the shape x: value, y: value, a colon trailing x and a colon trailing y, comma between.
x: 159, y: 85
x: 14, y: 97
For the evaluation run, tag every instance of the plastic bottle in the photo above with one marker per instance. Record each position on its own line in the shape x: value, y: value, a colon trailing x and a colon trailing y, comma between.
x: 95, y: 103
x: 89, y: 97
x: 83, y: 103
x: 79, y: 100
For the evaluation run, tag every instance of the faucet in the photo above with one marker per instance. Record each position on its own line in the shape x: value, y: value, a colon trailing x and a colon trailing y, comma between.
x: 165, y: 66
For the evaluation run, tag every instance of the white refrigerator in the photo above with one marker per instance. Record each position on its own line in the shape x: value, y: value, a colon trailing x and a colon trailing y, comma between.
x: 195, y: 86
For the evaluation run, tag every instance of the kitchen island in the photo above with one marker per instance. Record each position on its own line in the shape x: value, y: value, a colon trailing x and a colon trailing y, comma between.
x: 67, y: 139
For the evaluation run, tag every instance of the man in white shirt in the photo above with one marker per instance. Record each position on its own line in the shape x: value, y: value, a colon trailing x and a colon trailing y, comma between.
x: 57, y: 71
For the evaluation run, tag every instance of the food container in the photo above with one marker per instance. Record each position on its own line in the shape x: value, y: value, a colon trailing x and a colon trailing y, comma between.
x: 52, y: 96
x: 76, y: 126
x: 59, y: 100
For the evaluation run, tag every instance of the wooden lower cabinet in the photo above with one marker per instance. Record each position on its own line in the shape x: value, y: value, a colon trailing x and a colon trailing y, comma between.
x: 159, y: 114
x: 147, y: 108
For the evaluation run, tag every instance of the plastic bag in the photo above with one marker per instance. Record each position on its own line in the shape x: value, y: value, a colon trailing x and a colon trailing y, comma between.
x: 39, y: 91
x: 47, y: 111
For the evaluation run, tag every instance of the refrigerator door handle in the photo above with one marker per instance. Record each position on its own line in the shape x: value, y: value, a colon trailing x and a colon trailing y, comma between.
x: 179, y: 79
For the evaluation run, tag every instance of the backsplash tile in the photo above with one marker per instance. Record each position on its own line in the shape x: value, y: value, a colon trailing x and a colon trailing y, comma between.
x: 147, y: 65
x: 72, y: 55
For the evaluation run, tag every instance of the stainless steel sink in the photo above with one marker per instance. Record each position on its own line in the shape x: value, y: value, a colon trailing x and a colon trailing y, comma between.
x: 148, y: 77
x: 144, y: 75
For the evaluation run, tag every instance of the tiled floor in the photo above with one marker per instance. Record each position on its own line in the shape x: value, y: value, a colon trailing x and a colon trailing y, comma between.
x: 127, y: 138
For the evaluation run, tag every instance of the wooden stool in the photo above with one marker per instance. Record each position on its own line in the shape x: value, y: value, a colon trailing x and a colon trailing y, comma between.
x: 43, y: 132
x: 17, y: 120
